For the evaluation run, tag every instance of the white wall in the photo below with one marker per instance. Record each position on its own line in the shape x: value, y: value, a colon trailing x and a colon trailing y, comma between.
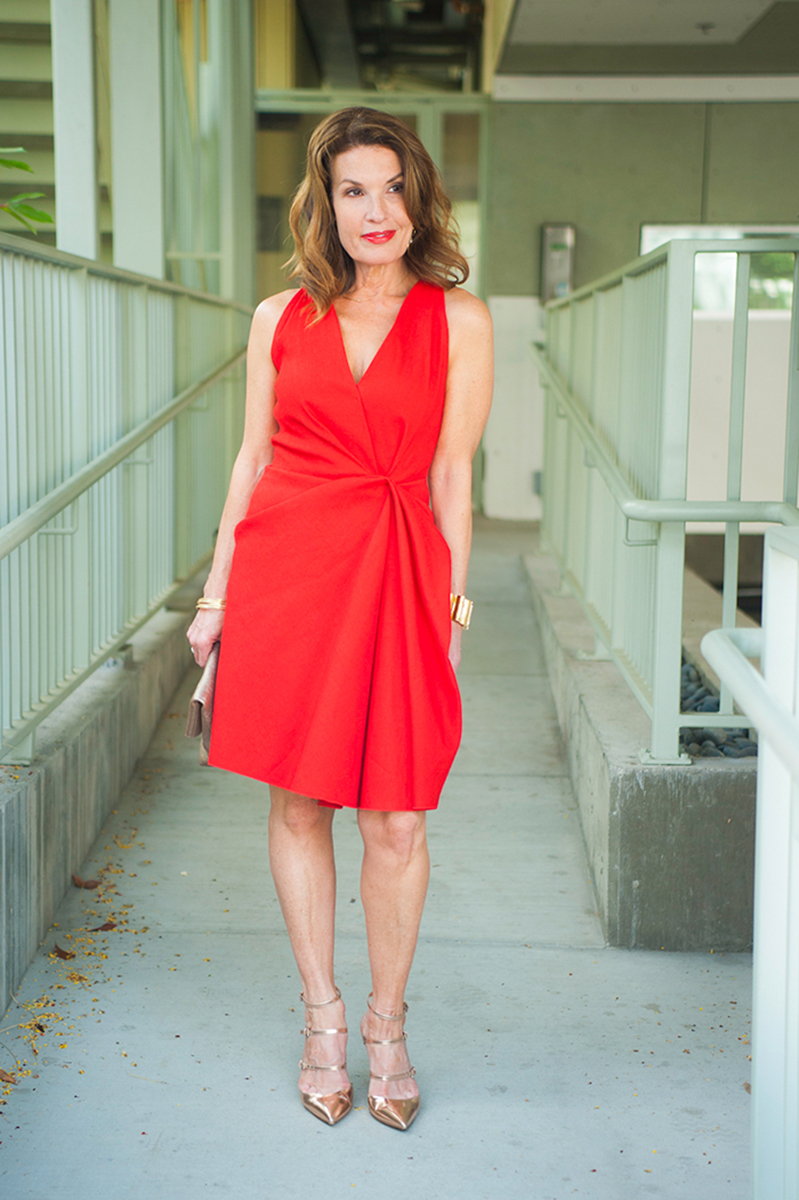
x: 514, y: 438
x: 764, y: 412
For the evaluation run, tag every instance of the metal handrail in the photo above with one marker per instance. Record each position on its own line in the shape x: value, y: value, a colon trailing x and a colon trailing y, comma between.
x: 31, y: 249
x: 778, y: 512
x: 638, y: 266
x: 770, y: 701
x: 102, y: 349
x: 29, y: 522
x: 728, y: 651
x: 617, y: 375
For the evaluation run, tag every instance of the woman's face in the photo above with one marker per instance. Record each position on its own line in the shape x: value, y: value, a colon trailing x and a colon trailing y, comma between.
x: 367, y: 193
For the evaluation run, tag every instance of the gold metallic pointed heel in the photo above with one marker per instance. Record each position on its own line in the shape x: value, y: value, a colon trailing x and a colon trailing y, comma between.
x: 334, y: 1106
x: 397, y: 1114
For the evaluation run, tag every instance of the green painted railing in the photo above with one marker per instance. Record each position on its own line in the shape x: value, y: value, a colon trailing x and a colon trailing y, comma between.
x: 771, y: 701
x: 616, y: 368
x: 121, y: 409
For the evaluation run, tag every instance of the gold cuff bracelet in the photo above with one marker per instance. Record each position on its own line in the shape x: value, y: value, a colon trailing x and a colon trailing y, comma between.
x: 460, y: 610
x: 210, y: 603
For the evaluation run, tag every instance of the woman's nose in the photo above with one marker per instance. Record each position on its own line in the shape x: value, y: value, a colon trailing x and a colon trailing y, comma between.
x: 377, y: 208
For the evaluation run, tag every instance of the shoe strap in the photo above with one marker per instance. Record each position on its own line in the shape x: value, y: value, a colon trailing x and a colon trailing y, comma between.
x: 385, y: 1041
x: 321, y: 1003
x: 306, y: 1066
x: 409, y: 1074
x: 386, y: 1016
x: 310, y: 1032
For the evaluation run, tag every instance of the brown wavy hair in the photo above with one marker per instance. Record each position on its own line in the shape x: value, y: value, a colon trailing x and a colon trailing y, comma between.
x: 319, y: 261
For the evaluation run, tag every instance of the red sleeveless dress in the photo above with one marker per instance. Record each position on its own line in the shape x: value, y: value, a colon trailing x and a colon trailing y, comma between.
x: 334, y: 679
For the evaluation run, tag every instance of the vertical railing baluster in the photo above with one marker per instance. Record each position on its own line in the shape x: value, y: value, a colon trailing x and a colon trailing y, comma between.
x: 735, y: 451
x: 80, y: 596
x: 672, y: 476
x: 791, y: 466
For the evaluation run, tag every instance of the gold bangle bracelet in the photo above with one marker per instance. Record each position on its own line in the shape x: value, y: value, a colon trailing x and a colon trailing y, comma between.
x: 460, y: 610
x: 211, y: 604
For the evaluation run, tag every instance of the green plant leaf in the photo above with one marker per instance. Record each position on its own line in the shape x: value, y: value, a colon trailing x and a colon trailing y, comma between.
x: 26, y: 196
x: 35, y: 214
x: 13, y: 150
x: 20, y: 166
x: 17, y: 217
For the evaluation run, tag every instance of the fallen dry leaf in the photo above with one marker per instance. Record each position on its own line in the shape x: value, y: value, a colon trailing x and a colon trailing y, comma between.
x: 85, y: 883
x: 6, y: 1078
x: 103, y: 928
x: 62, y: 953
x: 748, y: 1087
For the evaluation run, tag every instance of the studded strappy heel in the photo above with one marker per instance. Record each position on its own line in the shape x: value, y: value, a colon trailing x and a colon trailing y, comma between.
x: 399, y: 1114
x: 333, y: 1107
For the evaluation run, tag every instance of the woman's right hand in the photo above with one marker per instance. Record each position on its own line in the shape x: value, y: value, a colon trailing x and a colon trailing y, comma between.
x: 205, y: 629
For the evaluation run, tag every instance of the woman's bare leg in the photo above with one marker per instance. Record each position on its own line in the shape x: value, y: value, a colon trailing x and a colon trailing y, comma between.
x: 394, y: 878
x: 304, y: 871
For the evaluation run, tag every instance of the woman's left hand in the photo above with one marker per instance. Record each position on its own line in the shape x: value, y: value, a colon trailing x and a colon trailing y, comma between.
x: 205, y: 629
x: 455, y: 645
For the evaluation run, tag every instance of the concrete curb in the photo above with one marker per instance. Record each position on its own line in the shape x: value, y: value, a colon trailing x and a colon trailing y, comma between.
x: 671, y: 849
x: 52, y: 810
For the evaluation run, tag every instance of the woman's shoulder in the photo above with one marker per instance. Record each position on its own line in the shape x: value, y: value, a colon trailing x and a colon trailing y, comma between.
x: 270, y: 310
x: 466, y: 313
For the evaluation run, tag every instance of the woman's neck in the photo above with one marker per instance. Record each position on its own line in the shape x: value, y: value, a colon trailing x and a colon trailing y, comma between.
x: 389, y: 279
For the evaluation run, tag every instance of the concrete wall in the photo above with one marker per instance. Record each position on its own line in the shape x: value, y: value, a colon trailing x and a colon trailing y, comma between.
x: 671, y: 848
x: 52, y: 811
x: 608, y: 168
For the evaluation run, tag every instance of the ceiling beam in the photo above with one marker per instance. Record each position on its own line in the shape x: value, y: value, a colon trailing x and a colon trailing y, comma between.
x: 410, y: 37
x: 405, y: 57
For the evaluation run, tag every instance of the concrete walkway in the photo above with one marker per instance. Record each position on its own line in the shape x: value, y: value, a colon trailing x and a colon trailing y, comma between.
x: 550, y: 1065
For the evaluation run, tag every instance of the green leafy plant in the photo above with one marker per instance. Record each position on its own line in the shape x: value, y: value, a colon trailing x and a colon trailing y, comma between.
x: 17, y: 206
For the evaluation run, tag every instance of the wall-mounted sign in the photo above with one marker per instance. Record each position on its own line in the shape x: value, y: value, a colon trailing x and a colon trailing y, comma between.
x: 557, y: 261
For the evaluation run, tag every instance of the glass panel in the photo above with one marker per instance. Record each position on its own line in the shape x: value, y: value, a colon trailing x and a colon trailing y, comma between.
x: 461, y: 171
x: 771, y: 278
x: 191, y: 147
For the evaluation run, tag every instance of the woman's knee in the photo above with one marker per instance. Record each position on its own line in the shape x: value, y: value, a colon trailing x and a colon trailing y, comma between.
x: 298, y: 815
x: 399, y: 834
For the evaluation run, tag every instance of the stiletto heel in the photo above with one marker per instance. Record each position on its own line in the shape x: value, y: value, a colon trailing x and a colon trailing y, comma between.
x: 333, y: 1107
x: 398, y: 1114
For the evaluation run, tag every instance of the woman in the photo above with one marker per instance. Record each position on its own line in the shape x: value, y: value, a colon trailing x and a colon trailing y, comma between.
x: 350, y: 507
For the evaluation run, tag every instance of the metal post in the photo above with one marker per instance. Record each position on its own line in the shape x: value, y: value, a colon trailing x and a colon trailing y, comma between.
x: 791, y: 467
x: 75, y: 127
x: 136, y: 135
x: 735, y: 452
x: 775, y: 1035
x: 672, y: 477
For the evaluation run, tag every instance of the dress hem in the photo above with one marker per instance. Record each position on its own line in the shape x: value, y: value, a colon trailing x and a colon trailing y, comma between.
x: 299, y: 791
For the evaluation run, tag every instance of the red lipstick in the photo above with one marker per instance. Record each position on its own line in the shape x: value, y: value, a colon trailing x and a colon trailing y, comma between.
x: 378, y: 239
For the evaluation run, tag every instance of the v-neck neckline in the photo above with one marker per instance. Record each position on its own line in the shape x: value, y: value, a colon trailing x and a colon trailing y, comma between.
x: 357, y: 382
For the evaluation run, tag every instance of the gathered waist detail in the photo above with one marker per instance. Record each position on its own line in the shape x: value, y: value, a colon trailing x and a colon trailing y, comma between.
x: 351, y: 473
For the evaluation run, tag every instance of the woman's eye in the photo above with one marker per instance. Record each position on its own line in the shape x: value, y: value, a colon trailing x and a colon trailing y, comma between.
x: 396, y: 187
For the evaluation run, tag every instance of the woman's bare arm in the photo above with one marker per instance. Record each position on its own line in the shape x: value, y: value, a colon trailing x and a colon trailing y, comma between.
x: 470, y: 382
x: 251, y: 461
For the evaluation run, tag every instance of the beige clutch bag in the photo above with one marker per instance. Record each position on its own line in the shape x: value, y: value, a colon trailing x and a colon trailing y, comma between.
x: 201, y: 706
